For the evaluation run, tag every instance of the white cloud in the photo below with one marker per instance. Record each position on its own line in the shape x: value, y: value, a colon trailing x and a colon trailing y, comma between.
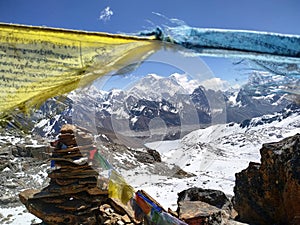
x: 191, y: 84
x: 215, y: 84
x: 106, y: 14
x: 236, y: 86
x: 183, y: 80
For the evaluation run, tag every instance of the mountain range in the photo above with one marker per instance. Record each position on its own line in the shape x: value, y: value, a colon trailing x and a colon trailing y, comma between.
x: 162, y: 105
x: 234, y: 125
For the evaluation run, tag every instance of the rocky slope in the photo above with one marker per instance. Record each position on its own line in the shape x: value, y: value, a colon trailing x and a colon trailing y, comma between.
x: 23, y: 165
x: 269, y: 192
x: 206, y: 158
x: 216, y: 153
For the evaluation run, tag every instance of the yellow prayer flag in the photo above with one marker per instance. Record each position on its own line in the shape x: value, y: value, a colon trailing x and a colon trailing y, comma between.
x: 37, y: 63
x: 119, y: 189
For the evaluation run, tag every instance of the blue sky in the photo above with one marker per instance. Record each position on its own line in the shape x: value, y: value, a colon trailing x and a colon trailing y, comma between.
x: 131, y: 16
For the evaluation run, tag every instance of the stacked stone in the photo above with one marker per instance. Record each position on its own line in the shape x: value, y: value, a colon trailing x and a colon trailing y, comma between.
x: 76, y: 192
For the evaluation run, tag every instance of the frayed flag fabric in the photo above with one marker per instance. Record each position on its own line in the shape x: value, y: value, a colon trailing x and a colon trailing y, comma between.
x: 119, y: 189
x: 153, y: 211
x: 241, y: 44
x: 273, y: 52
x: 37, y: 63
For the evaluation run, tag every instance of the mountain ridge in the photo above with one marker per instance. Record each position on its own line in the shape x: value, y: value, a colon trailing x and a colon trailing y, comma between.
x: 164, y: 99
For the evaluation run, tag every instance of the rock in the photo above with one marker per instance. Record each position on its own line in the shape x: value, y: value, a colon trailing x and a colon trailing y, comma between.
x: 180, y: 173
x: 269, y: 193
x: 25, y: 195
x: 76, y: 193
x: 213, y: 197
x: 204, y: 206
x: 17, y: 174
x: 155, y: 154
x: 6, y: 159
x: 197, y: 212
x: 6, y: 153
x: 148, y: 156
x: 78, y: 190
x: 36, y: 151
x: 5, y: 200
x: 126, y: 219
x: 21, y: 151
x: 144, y: 157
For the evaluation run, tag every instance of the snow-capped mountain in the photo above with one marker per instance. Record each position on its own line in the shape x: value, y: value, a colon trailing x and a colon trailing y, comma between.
x: 208, y: 157
x: 214, y: 154
x: 76, y: 106
x: 220, y: 140
x: 165, y: 99
x: 154, y: 87
x: 263, y: 94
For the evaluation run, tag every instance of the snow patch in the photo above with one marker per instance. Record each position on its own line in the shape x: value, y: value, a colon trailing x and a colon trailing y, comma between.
x: 17, y: 216
x: 213, y: 154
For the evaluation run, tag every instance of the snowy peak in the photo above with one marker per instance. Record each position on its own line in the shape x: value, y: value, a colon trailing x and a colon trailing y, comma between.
x: 265, y: 79
x: 199, y: 98
x: 90, y: 92
x: 262, y: 88
x: 290, y: 111
x: 154, y: 87
x: 263, y: 83
x: 144, y: 111
x: 115, y: 93
x: 168, y: 100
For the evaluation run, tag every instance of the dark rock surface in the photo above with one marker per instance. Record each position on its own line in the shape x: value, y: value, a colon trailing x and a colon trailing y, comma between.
x: 18, y: 172
x: 150, y: 156
x: 205, y: 207
x: 197, y: 212
x: 269, y: 193
x: 213, y: 197
x: 36, y: 151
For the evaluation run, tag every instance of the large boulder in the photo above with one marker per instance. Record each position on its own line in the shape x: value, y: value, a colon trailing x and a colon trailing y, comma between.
x: 213, y: 197
x: 204, y: 206
x: 197, y: 212
x: 269, y: 192
x: 30, y: 150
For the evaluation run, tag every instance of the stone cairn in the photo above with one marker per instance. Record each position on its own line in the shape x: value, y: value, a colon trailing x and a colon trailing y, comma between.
x: 76, y: 193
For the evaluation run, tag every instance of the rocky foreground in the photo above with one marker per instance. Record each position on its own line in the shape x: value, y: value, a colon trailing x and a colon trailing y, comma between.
x: 79, y: 194
x: 265, y: 193
x: 269, y: 192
